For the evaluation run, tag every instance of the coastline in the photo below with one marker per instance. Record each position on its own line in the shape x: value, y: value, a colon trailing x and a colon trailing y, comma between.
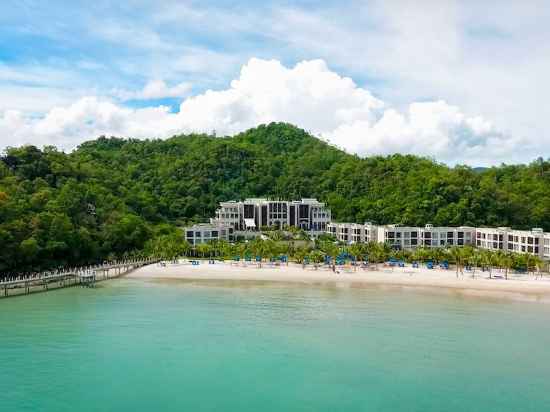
x: 524, y: 288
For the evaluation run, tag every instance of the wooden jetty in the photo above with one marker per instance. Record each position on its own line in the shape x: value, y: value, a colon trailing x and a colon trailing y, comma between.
x: 86, y: 276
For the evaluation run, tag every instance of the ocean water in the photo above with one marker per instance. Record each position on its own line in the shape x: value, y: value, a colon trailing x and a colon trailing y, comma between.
x: 130, y: 345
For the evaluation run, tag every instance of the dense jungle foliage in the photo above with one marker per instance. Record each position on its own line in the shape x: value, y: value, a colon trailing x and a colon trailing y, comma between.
x: 114, y: 197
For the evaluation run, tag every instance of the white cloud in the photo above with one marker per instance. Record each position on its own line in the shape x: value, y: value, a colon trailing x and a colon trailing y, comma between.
x: 309, y: 95
x: 155, y: 89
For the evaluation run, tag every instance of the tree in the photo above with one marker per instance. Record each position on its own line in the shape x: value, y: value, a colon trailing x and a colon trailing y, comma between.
x: 457, y: 254
x: 317, y: 257
x: 332, y: 250
x: 204, y: 249
x: 507, y: 262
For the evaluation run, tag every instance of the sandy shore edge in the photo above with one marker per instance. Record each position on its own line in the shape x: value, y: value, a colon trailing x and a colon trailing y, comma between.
x: 525, y: 288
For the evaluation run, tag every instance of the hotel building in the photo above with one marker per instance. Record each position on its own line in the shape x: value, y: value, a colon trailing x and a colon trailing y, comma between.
x: 353, y: 232
x: 253, y: 214
x: 535, y: 241
x: 204, y: 233
x: 519, y: 241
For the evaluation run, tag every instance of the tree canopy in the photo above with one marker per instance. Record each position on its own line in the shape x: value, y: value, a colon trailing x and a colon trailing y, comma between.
x: 112, y: 197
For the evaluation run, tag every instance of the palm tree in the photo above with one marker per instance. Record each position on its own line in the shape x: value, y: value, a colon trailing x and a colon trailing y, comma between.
x: 299, y: 254
x: 474, y: 260
x: 203, y: 249
x: 507, y: 262
x: 487, y: 261
x: 532, y: 262
x: 260, y: 248
x: 316, y: 257
x: 357, y: 250
x: 374, y: 252
x: 458, y: 256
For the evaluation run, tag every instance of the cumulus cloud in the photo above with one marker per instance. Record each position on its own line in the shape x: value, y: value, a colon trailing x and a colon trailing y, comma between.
x: 155, y: 89
x: 309, y: 95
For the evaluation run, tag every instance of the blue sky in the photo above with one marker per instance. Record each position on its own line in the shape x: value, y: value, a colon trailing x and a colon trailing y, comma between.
x: 462, y: 82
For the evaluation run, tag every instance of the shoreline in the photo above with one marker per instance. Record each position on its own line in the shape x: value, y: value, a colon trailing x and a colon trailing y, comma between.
x: 524, y: 288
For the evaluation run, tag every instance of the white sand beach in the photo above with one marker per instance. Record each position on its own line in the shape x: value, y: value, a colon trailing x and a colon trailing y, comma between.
x: 522, y: 287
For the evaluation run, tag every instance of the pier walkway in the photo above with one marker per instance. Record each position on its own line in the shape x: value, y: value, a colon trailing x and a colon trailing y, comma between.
x: 85, y: 276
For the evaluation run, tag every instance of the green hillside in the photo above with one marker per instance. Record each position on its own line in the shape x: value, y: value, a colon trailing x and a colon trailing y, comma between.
x: 110, y: 196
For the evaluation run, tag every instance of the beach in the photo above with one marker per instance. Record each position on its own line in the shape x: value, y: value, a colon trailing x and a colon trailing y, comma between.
x: 523, y: 287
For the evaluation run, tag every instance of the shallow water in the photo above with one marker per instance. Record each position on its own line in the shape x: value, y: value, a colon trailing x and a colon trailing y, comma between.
x: 177, y: 346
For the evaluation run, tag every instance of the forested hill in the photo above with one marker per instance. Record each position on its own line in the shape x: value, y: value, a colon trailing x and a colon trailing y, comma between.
x: 111, y: 195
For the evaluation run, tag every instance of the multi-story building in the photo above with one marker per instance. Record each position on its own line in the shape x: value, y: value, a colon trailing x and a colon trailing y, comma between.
x: 406, y: 237
x: 253, y: 214
x: 399, y: 237
x: 204, y: 233
x: 507, y: 239
x: 443, y: 236
x: 353, y: 232
x: 491, y: 238
x: 546, y: 246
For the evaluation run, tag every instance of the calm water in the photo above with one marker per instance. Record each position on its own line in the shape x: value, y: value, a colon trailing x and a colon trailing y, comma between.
x: 133, y: 346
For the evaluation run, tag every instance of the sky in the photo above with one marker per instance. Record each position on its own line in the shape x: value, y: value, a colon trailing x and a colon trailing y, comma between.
x: 462, y: 82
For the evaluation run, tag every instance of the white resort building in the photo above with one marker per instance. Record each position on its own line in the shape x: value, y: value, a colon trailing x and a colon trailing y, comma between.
x: 253, y: 214
x: 248, y: 217
x: 535, y: 241
x: 205, y: 232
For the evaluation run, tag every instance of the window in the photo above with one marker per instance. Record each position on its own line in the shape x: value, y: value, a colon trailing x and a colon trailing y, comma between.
x: 451, y: 234
x: 190, y: 234
x: 427, y: 235
x: 197, y: 234
x: 460, y: 235
x: 215, y: 233
x: 414, y: 234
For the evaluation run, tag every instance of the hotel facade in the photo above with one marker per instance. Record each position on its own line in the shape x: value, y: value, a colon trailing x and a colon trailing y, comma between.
x: 534, y: 241
x: 248, y: 217
x: 253, y: 214
x: 205, y: 233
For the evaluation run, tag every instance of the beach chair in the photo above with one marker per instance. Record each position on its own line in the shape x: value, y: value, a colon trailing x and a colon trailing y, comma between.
x: 429, y: 265
x: 415, y: 265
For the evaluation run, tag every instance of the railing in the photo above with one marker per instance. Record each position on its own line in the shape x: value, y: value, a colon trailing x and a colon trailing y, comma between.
x: 85, y: 276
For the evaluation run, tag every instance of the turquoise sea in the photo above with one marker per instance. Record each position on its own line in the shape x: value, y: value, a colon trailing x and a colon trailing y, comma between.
x: 136, y: 346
